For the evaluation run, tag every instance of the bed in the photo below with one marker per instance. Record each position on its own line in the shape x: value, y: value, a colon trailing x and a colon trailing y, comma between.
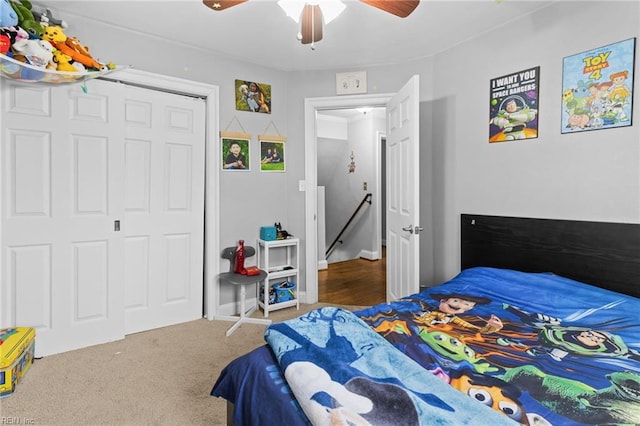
x: 541, y: 327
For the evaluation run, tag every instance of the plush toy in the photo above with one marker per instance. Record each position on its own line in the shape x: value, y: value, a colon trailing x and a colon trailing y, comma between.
x: 8, y: 16
x: 46, y: 18
x: 70, y: 46
x: 8, y: 36
x: 64, y: 61
x: 26, y: 19
x: 15, y: 33
x: 38, y: 53
x: 5, y: 43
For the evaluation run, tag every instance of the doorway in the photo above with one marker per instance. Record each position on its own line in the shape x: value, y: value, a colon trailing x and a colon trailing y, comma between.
x: 402, y: 146
x: 312, y: 108
x: 351, y: 205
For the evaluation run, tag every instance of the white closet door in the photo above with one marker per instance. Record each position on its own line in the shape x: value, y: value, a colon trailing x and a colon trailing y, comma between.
x: 164, y: 204
x: 62, y: 168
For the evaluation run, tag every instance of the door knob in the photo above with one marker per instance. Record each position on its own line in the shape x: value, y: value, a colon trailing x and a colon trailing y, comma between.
x: 418, y: 229
x: 408, y: 229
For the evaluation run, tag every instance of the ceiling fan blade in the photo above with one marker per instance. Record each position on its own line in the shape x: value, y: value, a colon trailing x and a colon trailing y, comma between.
x: 401, y: 8
x: 221, y: 4
x: 311, y: 24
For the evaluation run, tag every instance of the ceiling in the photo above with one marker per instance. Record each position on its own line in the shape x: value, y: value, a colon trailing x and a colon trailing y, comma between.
x: 259, y: 32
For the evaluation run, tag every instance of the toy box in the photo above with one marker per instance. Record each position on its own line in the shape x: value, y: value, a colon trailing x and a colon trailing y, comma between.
x: 17, y: 346
x: 285, y: 290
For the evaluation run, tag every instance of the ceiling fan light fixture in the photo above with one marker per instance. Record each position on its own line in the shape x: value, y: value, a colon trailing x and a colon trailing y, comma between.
x: 330, y: 8
x: 293, y: 8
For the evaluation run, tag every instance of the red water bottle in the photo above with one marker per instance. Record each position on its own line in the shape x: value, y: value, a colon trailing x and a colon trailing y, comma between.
x: 238, y: 265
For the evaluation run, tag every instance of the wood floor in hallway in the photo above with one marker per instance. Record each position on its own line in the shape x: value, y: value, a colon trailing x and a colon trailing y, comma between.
x: 353, y: 282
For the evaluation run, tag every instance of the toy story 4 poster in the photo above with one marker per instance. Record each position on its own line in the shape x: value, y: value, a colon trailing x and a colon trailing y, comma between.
x: 597, y: 88
x: 514, y: 106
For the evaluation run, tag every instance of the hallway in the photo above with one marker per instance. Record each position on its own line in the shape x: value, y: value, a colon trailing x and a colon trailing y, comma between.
x: 358, y: 282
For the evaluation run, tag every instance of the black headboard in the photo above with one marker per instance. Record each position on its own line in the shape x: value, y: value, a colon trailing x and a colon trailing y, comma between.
x: 599, y: 253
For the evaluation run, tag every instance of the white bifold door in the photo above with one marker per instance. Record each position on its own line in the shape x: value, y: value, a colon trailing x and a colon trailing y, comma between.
x: 164, y: 209
x: 102, y: 211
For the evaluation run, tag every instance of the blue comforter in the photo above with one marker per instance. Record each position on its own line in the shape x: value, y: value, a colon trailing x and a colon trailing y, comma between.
x: 490, y: 346
x: 539, y: 348
x: 339, y: 369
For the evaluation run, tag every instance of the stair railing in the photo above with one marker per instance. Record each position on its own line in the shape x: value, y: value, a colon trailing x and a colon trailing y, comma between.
x: 366, y: 199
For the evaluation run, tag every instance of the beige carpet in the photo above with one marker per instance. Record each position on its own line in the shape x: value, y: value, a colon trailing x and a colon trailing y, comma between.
x: 159, y: 377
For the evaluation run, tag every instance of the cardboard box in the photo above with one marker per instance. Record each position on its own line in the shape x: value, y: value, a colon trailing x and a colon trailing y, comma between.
x: 17, y: 346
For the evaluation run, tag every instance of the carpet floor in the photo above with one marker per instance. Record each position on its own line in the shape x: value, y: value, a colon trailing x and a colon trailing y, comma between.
x: 157, y: 377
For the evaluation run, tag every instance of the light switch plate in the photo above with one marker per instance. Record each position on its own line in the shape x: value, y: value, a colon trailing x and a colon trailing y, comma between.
x: 349, y: 83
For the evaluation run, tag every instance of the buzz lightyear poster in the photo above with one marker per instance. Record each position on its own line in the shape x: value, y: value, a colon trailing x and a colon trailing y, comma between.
x: 597, y: 88
x: 513, y: 112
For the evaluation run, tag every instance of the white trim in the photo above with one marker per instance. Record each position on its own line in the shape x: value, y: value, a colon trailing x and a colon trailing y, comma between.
x: 311, y: 107
x: 369, y: 255
x: 380, y: 136
x: 211, y: 95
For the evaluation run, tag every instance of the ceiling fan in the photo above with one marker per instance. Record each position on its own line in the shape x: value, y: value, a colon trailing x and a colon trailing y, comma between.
x: 311, y: 18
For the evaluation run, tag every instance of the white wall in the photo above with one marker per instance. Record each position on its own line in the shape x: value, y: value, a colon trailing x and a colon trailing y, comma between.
x: 248, y: 199
x: 591, y: 175
x: 585, y: 176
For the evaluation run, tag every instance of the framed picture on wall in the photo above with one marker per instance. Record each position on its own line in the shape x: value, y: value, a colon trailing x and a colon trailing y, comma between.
x: 513, y: 106
x: 597, y: 88
x: 235, y: 154
x: 252, y: 96
x: 272, y: 154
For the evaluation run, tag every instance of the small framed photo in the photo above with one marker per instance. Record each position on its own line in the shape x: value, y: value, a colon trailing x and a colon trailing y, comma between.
x: 252, y: 96
x: 597, y: 88
x: 272, y: 155
x: 235, y: 154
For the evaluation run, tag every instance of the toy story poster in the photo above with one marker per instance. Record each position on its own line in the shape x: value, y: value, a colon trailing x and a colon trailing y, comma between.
x: 253, y: 97
x: 513, y: 112
x: 597, y: 88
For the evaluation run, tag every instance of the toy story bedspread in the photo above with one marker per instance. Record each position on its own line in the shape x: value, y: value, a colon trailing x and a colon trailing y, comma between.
x: 342, y: 372
x: 539, y: 348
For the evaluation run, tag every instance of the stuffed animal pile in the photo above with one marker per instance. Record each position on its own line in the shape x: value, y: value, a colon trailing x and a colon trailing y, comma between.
x: 39, y: 39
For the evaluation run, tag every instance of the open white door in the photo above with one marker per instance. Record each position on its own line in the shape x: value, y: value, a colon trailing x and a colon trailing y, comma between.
x: 403, y: 190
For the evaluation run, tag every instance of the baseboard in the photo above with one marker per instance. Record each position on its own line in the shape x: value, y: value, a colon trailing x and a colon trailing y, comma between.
x: 369, y: 255
x: 322, y: 264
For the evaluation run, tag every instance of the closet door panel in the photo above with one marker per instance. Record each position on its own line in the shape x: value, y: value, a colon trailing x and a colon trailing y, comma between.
x: 164, y: 219
x: 63, y: 178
